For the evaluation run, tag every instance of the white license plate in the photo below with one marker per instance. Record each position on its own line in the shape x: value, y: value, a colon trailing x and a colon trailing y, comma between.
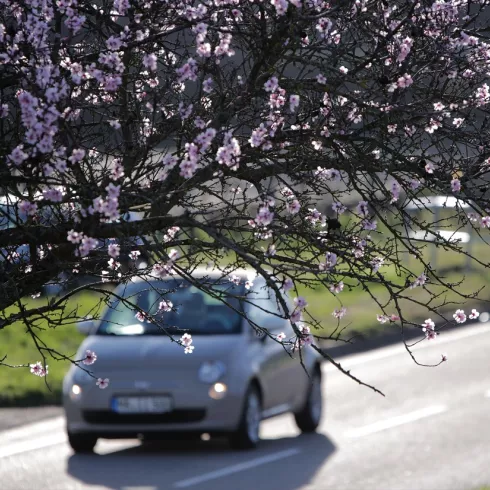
x: 142, y: 404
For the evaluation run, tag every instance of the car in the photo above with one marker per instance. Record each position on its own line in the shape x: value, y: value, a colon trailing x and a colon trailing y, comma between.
x: 232, y: 380
x: 10, y: 217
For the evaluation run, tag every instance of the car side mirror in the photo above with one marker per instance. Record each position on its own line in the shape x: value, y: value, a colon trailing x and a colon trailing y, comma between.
x: 86, y: 327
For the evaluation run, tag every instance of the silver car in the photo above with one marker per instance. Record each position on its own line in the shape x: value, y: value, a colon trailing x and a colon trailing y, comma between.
x: 225, y: 387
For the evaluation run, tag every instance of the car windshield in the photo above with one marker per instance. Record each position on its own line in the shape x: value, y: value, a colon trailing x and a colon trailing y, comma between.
x: 192, y: 310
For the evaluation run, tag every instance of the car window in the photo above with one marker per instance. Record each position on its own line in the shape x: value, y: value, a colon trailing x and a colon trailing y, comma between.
x: 193, y: 310
x: 10, y: 216
x: 264, y: 308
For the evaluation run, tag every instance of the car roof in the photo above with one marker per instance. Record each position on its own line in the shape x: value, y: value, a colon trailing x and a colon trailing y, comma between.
x: 200, y: 272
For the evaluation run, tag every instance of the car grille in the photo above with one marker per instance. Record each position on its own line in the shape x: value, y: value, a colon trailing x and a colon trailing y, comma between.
x: 175, y: 417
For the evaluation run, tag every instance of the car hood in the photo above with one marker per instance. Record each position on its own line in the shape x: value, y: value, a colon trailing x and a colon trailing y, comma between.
x: 143, y: 351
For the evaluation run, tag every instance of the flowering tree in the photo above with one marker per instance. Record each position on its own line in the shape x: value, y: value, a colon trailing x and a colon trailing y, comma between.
x: 287, y: 137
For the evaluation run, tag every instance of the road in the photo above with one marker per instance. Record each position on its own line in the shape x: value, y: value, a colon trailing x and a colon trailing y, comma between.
x: 430, y: 432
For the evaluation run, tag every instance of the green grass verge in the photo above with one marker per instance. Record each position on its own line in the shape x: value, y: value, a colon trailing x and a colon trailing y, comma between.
x: 18, y: 387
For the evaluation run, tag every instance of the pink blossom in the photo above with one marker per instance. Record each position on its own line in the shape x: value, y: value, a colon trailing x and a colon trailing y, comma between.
x: 159, y: 271
x: 338, y: 207
x: 29, y: 208
x: 337, y: 287
x: 300, y: 302
x: 271, y: 85
x: 17, y: 156
x: 113, y: 264
x: 174, y: 254
x: 114, y: 250
x: 165, y: 305
x: 293, y: 207
x: 376, y: 263
x: 293, y: 102
x: 362, y: 208
x: 459, y: 316
x: 140, y: 316
x: 395, y: 191
x: 382, y: 318
x: 90, y: 357
x: 295, y: 315
x: 474, y: 314
x: 38, y: 369
x: 102, y: 383
x: 429, y: 328
x: 53, y: 195
x: 304, y: 337
x: 288, y: 284
x: 340, y: 313
x: 74, y: 236
x: 77, y: 155
x: 134, y: 254
x: 281, y: 336
x: 330, y: 260
x: 207, y: 85
x: 369, y: 225
x: 113, y: 43
x: 321, y: 79
x: 186, y: 340
x: 264, y: 217
x: 328, y: 174
x: 150, y: 61
x: 420, y: 281
x: 343, y: 70
x: 404, y: 81
x: 455, y: 185
x: 485, y: 222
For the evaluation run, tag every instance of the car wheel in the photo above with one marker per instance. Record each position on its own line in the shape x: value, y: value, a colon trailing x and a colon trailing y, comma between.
x: 308, y: 419
x: 82, y: 443
x: 247, y: 434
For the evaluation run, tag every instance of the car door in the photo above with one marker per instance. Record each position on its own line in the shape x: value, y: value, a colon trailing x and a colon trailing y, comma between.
x: 291, y: 368
x: 273, y: 359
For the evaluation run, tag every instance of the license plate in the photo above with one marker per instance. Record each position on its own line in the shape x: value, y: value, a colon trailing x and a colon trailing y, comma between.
x: 142, y: 404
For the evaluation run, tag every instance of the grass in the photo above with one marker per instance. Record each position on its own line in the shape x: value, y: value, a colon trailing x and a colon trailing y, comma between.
x: 18, y: 387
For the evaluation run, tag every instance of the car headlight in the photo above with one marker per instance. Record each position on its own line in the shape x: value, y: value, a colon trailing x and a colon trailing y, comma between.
x: 76, y: 392
x: 211, y: 371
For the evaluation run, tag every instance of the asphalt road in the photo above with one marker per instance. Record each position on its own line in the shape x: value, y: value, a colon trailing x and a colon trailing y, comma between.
x: 431, y: 431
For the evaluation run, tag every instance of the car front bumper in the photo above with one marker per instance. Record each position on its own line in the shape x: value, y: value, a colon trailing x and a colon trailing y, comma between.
x: 194, y: 411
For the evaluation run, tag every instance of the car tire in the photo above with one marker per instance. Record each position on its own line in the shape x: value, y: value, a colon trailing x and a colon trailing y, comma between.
x: 309, y: 417
x: 82, y: 443
x: 247, y: 434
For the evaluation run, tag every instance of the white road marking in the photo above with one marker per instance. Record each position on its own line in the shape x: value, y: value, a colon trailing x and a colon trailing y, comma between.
x: 396, y: 421
x: 30, y: 431
x: 30, y: 445
x: 384, y: 352
x: 213, y: 475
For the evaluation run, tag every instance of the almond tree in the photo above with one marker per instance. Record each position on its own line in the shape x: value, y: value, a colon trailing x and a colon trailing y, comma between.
x: 287, y: 137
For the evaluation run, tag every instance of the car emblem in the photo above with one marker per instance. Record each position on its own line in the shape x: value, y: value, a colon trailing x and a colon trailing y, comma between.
x: 141, y: 385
